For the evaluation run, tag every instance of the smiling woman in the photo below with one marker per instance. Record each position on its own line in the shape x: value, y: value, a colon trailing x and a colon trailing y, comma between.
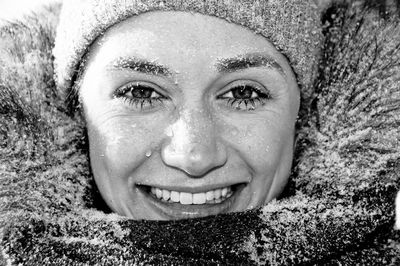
x: 186, y: 109
x: 189, y: 114
x: 194, y: 117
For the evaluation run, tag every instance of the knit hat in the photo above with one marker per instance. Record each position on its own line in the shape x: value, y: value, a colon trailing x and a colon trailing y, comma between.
x: 293, y: 26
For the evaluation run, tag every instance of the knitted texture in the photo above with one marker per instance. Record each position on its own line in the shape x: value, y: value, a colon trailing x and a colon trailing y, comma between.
x: 294, y: 28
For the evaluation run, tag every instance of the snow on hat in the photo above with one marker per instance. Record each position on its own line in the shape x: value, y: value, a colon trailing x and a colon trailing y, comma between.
x: 293, y: 26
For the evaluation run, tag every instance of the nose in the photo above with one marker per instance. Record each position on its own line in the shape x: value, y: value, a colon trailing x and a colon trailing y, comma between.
x: 194, y: 145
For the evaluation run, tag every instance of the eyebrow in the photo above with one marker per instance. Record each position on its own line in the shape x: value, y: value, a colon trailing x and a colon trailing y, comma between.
x: 248, y: 61
x: 223, y: 65
x: 140, y: 65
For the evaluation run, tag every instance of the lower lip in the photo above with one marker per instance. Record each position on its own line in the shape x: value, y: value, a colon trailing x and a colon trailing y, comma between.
x: 174, y: 211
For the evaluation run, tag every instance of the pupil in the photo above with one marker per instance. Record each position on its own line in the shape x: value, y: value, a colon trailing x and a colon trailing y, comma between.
x: 243, y: 92
x: 141, y: 92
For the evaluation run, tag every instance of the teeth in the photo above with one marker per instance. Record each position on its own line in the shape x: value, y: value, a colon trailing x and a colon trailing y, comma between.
x: 159, y: 193
x: 166, y: 194
x: 224, y: 191
x: 209, y: 197
x: 175, y: 196
x: 199, y: 198
x: 217, y: 193
x: 186, y: 198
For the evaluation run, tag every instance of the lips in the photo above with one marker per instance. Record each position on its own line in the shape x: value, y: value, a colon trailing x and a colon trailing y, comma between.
x: 178, y: 203
x: 208, y: 197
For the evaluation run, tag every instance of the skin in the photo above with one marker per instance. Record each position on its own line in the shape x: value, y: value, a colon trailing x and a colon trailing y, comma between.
x: 197, y: 134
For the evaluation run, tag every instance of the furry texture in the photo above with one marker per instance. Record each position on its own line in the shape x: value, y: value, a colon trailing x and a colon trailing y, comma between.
x: 338, y: 208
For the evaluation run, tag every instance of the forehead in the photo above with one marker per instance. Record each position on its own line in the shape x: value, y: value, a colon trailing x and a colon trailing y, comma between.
x: 175, y: 37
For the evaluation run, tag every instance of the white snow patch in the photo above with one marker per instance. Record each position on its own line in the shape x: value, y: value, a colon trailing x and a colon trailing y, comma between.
x: 397, y: 224
x: 93, y: 241
x: 15, y: 9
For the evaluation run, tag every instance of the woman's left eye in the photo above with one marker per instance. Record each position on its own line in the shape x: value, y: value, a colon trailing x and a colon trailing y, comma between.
x: 140, y: 95
x: 245, y: 97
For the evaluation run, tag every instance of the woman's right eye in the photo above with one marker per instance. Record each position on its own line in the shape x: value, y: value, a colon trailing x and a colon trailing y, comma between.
x: 140, y: 95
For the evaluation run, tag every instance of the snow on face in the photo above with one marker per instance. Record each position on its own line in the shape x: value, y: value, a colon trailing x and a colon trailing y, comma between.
x: 188, y: 116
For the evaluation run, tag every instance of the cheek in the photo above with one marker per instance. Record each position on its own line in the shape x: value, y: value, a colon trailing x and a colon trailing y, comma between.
x: 120, y: 145
x: 263, y: 142
x: 266, y: 143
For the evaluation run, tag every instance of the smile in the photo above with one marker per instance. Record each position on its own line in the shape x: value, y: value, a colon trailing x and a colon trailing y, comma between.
x: 209, y: 197
x: 179, y: 203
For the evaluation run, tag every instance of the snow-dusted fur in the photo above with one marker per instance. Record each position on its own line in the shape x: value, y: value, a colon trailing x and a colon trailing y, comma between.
x: 337, y: 209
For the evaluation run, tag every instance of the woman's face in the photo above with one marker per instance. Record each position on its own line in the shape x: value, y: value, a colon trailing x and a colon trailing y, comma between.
x: 188, y: 116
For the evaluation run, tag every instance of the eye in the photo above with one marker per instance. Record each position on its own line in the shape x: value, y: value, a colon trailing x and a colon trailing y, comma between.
x: 140, y: 95
x: 246, y: 96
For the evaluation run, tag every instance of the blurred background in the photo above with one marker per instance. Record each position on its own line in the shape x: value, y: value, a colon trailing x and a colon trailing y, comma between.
x: 11, y: 9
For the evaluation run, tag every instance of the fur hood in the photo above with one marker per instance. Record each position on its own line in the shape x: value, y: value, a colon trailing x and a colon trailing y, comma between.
x: 337, y: 209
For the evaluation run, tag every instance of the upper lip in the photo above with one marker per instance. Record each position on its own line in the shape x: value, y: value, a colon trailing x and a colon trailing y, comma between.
x: 196, y: 189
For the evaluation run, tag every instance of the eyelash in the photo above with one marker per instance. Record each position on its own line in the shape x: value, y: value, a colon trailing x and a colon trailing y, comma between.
x: 141, y: 103
x: 256, y: 99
